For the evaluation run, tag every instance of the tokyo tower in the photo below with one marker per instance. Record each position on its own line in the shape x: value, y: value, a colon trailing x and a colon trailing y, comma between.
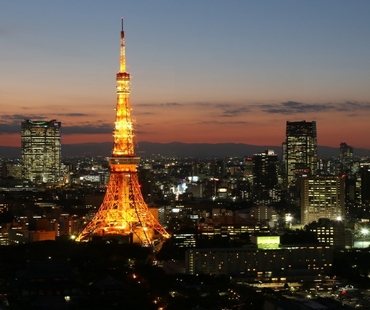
x: 124, y: 211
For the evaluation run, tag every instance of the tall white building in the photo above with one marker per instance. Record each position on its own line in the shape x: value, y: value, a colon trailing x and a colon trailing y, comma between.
x: 321, y: 197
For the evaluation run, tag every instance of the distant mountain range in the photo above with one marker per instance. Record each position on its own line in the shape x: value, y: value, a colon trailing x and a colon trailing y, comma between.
x: 178, y: 149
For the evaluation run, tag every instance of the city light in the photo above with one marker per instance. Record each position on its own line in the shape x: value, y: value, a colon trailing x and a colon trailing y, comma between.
x: 250, y: 228
x: 288, y: 218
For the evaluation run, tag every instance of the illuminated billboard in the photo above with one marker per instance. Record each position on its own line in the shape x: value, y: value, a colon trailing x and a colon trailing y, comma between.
x: 268, y: 242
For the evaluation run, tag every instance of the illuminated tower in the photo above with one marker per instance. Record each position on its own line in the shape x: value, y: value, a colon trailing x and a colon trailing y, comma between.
x: 123, y: 211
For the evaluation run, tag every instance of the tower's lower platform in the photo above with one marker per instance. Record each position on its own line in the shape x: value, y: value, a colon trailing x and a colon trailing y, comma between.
x: 124, y: 211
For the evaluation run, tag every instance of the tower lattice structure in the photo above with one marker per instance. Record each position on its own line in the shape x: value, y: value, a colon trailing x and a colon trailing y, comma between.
x: 123, y: 211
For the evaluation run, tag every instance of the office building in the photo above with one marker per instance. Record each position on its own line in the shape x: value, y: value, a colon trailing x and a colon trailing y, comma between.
x: 321, y: 197
x: 300, y: 150
x: 12, y: 169
x: 265, y: 176
x: 41, y: 151
x: 269, y: 261
x: 345, y: 151
x: 331, y: 232
x: 345, y: 157
x: 185, y: 238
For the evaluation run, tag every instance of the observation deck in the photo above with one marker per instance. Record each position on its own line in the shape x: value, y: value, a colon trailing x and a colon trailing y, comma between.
x: 124, y: 160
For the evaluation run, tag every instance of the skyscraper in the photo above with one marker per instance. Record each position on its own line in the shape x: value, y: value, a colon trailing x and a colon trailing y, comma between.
x: 265, y: 176
x: 41, y: 151
x: 300, y: 149
x: 345, y: 157
x: 345, y: 151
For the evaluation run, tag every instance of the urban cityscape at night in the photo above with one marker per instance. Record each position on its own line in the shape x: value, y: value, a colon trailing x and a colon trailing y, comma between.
x: 232, y: 171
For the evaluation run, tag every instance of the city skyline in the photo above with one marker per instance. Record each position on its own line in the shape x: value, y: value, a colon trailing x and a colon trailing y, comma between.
x: 201, y: 73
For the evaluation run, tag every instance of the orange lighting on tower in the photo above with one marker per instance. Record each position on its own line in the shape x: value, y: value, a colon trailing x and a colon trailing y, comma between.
x: 124, y: 211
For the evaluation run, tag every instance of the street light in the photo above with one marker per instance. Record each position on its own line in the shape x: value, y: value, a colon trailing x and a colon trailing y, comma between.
x: 364, y: 232
x: 288, y: 219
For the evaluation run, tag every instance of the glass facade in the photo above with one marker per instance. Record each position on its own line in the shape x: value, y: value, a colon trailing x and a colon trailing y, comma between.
x: 300, y: 150
x: 41, y: 151
x: 322, y: 197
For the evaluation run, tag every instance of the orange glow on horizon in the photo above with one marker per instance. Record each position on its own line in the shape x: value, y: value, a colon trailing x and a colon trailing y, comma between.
x: 271, y: 137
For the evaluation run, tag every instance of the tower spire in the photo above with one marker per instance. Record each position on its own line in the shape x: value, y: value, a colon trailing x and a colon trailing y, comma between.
x: 123, y: 128
x: 122, y: 50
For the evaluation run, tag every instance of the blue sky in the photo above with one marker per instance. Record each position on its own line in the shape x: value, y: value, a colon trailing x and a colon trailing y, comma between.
x: 215, y: 71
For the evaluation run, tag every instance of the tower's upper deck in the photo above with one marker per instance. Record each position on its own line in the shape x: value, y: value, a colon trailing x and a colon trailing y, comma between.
x: 123, y: 133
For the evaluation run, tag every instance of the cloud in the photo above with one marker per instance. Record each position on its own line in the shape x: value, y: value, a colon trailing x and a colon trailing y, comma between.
x: 10, y: 128
x: 235, y: 111
x: 144, y: 113
x: 223, y: 123
x: 230, y: 110
x: 146, y: 105
x: 140, y: 132
x: 294, y: 107
x: 283, y: 108
x: 172, y: 104
x: 11, y: 123
x: 21, y: 117
x: 205, y: 104
x: 74, y: 114
x: 153, y: 105
x: 88, y: 129
x: 350, y: 106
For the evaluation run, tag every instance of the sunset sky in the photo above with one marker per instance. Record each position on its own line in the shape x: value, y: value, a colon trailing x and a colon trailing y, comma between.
x: 202, y: 71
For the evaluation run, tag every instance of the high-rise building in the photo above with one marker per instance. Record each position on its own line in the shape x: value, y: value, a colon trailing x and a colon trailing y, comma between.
x: 124, y: 212
x: 345, y: 157
x: 345, y: 151
x: 41, y: 151
x: 321, y: 197
x: 265, y: 175
x: 300, y: 150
